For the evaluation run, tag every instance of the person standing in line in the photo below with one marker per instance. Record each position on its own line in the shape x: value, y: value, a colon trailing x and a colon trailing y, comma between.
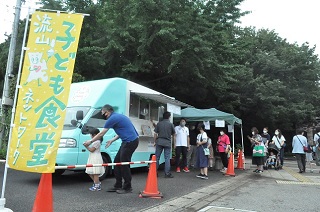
x: 202, y: 159
x: 211, y: 156
x: 192, y: 153
x: 316, y: 139
x: 279, y: 140
x: 125, y: 130
x: 164, y: 131
x: 95, y: 158
x: 298, y: 142
x: 256, y: 140
x: 265, y: 139
x: 223, y: 144
x: 181, y: 145
x: 309, y: 159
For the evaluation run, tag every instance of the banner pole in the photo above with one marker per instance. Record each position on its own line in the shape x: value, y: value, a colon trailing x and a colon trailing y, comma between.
x: 14, y: 103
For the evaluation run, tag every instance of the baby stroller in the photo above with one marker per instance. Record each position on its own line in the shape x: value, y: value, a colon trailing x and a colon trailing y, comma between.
x: 273, y: 160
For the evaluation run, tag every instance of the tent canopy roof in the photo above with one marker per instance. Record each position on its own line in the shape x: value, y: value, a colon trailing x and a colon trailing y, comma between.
x: 212, y: 114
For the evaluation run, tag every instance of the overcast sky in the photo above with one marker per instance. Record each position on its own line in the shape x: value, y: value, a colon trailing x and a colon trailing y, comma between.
x: 295, y: 20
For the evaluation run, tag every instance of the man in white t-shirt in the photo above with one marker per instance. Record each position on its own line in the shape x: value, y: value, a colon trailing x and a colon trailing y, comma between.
x: 181, y: 145
x: 317, y: 146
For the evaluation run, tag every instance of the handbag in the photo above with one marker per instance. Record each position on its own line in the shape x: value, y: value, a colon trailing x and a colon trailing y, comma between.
x: 305, y: 148
x: 258, y: 151
x: 206, y: 150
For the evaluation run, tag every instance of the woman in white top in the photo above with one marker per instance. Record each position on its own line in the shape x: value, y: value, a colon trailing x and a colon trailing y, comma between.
x: 202, y: 159
x: 279, y: 140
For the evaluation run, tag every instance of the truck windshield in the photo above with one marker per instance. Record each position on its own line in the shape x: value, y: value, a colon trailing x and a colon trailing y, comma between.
x: 71, y: 120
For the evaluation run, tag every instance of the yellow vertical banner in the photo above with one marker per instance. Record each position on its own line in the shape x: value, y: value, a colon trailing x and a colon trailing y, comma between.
x: 43, y: 92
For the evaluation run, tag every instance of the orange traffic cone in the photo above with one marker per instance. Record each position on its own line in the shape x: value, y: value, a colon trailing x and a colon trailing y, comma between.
x: 230, y: 170
x: 44, y: 201
x: 240, y: 160
x: 151, y: 189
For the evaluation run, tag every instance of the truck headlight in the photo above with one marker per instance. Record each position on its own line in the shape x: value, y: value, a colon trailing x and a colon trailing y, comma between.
x: 67, y: 143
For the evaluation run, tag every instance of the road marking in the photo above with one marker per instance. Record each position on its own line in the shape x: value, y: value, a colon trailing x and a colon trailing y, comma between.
x: 218, y: 208
x: 297, y: 175
x: 295, y: 182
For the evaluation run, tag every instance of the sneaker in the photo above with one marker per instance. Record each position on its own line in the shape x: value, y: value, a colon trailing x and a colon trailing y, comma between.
x: 168, y: 176
x: 113, y: 189
x: 200, y: 175
x: 256, y: 170
x: 223, y: 170
x: 259, y: 171
x: 95, y: 184
x: 186, y: 169
x: 94, y: 188
x: 124, y: 191
x: 178, y: 169
x: 205, y: 177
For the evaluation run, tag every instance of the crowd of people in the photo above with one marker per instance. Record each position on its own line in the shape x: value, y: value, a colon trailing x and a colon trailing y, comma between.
x: 269, y: 152
x: 192, y: 147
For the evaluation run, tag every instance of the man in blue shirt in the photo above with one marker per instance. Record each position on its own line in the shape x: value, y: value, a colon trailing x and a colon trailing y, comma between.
x: 125, y: 130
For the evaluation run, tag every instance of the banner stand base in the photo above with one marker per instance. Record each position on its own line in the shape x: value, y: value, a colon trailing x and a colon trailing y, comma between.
x: 2, y: 208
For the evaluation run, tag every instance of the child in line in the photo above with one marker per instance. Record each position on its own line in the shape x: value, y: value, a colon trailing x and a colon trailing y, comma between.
x: 95, y: 158
x: 211, y: 156
x: 309, y: 160
x: 272, y: 158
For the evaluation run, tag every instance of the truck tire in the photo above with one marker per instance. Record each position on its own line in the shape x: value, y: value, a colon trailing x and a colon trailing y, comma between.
x: 58, y: 172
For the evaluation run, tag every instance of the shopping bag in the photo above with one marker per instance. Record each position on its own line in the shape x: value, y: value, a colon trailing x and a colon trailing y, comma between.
x: 258, y: 151
x: 206, y: 151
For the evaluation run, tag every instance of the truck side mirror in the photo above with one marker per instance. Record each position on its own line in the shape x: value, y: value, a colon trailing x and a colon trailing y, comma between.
x: 85, y: 129
x: 76, y: 123
x: 79, y: 115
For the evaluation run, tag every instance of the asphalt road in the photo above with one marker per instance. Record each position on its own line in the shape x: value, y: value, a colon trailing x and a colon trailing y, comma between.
x: 70, y: 191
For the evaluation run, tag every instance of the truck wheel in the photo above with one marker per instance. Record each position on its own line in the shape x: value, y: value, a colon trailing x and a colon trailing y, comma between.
x: 108, y: 169
x: 58, y: 172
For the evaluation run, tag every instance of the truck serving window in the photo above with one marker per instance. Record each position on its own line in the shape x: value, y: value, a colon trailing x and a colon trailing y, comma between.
x: 134, y: 106
x: 144, y: 108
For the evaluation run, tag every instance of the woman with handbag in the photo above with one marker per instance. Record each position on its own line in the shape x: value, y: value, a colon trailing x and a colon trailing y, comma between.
x: 223, y: 147
x: 279, y: 140
x: 258, y: 150
x: 202, y: 153
x: 300, y: 146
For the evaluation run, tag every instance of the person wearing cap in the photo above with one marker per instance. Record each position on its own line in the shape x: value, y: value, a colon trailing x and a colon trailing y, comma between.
x: 125, y: 130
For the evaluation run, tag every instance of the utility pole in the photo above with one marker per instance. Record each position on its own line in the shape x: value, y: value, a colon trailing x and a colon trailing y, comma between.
x: 6, y: 101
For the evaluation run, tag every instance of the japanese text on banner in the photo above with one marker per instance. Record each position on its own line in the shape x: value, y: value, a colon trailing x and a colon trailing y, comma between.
x: 42, y: 99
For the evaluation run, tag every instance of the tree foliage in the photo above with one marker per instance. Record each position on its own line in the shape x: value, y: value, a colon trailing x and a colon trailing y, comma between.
x: 194, y: 51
